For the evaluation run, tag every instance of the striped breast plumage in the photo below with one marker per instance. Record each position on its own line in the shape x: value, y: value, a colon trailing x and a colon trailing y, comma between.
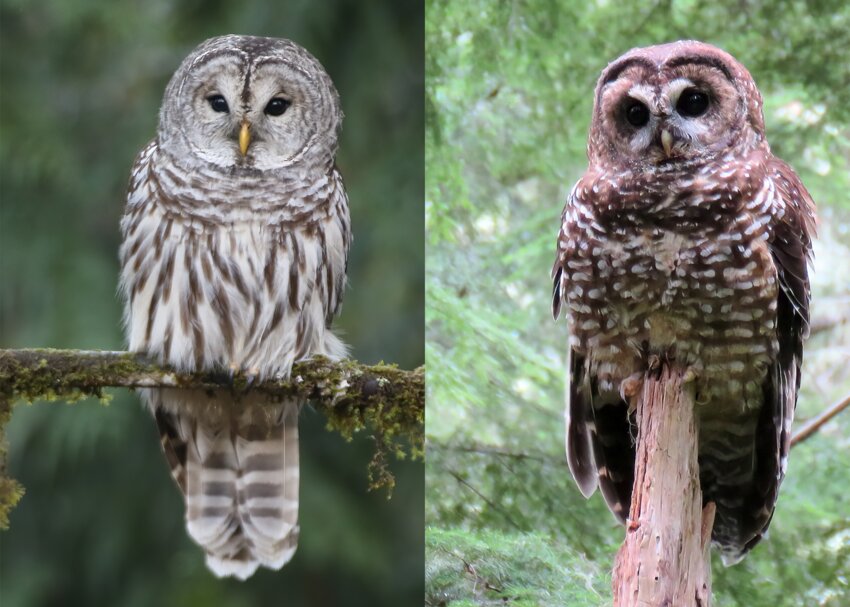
x: 251, y: 286
x: 247, y: 286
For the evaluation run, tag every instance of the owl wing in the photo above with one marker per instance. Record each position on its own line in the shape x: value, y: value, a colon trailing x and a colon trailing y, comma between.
x: 335, y: 280
x: 596, y: 421
x: 599, y: 451
x: 790, y: 246
x: 174, y: 445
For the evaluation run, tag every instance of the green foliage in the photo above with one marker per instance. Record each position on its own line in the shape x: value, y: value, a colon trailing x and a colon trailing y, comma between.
x: 11, y: 491
x: 508, y: 101
x: 102, y: 523
x: 521, y: 569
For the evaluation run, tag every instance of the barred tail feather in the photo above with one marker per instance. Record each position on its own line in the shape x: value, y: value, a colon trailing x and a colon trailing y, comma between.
x: 240, y: 479
x: 267, y: 491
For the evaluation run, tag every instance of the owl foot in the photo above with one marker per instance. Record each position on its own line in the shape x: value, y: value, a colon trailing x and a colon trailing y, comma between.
x: 691, y: 374
x: 251, y: 376
x: 653, y: 363
x: 631, y: 387
x: 241, y: 379
x: 222, y: 376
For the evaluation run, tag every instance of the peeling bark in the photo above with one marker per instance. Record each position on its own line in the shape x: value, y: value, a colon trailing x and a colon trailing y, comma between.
x: 664, y: 560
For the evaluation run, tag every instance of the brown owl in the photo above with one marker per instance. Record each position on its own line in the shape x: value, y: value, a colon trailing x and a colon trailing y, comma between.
x: 686, y: 240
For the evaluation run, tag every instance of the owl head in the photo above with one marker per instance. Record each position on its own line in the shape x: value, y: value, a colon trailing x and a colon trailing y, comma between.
x: 243, y: 102
x: 674, y: 102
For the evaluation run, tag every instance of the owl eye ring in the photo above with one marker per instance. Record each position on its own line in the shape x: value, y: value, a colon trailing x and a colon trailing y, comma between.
x: 218, y: 103
x: 637, y: 114
x: 277, y: 106
x: 692, y: 103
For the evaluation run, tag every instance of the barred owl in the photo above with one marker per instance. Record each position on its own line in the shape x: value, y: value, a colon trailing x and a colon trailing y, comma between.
x: 235, y: 241
x: 685, y: 240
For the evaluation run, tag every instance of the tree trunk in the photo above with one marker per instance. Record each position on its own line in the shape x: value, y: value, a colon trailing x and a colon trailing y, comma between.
x: 664, y: 560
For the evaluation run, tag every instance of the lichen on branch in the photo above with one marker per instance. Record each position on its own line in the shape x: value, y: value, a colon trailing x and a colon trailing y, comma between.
x: 389, y: 401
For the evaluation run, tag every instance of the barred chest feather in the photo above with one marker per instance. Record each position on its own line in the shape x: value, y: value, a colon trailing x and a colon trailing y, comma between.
x: 688, y: 276
x: 252, y: 291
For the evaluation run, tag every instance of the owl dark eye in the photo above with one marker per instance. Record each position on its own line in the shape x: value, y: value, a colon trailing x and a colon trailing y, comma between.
x: 637, y: 114
x: 218, y: 103
x: 276, y: 106
x: 692, y: 103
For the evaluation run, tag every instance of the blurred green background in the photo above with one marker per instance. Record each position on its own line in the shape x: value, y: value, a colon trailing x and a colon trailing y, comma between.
x: 101, y: 522
x: 509, y: 88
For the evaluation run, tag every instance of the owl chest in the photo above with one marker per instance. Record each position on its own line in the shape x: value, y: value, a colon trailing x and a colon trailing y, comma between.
x: 242, y: 295
x: 664, y: 290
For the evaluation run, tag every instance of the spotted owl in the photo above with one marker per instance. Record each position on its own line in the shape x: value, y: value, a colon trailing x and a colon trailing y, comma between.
x: 235, y: 241
x: 685, y: 240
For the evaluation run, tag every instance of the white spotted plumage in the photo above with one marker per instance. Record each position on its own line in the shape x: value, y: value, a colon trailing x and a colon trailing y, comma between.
x: 236, y: 261
x: 685, y: 240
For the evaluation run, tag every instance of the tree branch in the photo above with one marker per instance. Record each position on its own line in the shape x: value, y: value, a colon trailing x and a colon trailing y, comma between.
x: 487, y: 500
x: 48, y: 373
x: 814, y: 424
x: 484, y: 449
x: 390, y: 401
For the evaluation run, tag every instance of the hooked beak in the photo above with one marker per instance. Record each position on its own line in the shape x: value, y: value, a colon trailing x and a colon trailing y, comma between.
x: 666, y: 142
x: 244, y: 137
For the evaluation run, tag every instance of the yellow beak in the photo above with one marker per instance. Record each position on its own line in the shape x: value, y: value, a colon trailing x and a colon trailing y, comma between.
x: 244, y: 137
x: 666, y: 142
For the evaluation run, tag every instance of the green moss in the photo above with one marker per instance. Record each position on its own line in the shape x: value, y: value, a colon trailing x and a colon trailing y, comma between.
x: 10, y: 490
x: 396, y: 424
x: 65, y: 377
x: 386, y: 401
x: 487, y: 567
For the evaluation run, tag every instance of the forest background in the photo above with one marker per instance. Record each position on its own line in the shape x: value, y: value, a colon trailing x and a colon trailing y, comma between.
x: 101, y: 522
x: 509, y: 88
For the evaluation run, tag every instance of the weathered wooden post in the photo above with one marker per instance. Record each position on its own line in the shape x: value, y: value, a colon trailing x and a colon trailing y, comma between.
x: 664, y: 561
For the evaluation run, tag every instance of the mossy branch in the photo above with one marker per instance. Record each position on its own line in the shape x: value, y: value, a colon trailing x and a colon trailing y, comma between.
x: 389, y: 400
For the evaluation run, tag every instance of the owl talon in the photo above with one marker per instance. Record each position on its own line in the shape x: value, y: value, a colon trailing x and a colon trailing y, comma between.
x: 631, y: 387
x: 251, y: 376
x: 240, y: 379
x: 691, y: 374
x: 221, y: 375
x: 653, y: 363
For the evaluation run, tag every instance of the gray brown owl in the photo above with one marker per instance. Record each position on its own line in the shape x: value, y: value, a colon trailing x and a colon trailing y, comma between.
x: 686, y: 240
x: 235, y: 241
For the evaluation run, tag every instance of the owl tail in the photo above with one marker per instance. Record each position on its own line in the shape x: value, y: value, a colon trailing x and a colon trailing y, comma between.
x: 239, y: 476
